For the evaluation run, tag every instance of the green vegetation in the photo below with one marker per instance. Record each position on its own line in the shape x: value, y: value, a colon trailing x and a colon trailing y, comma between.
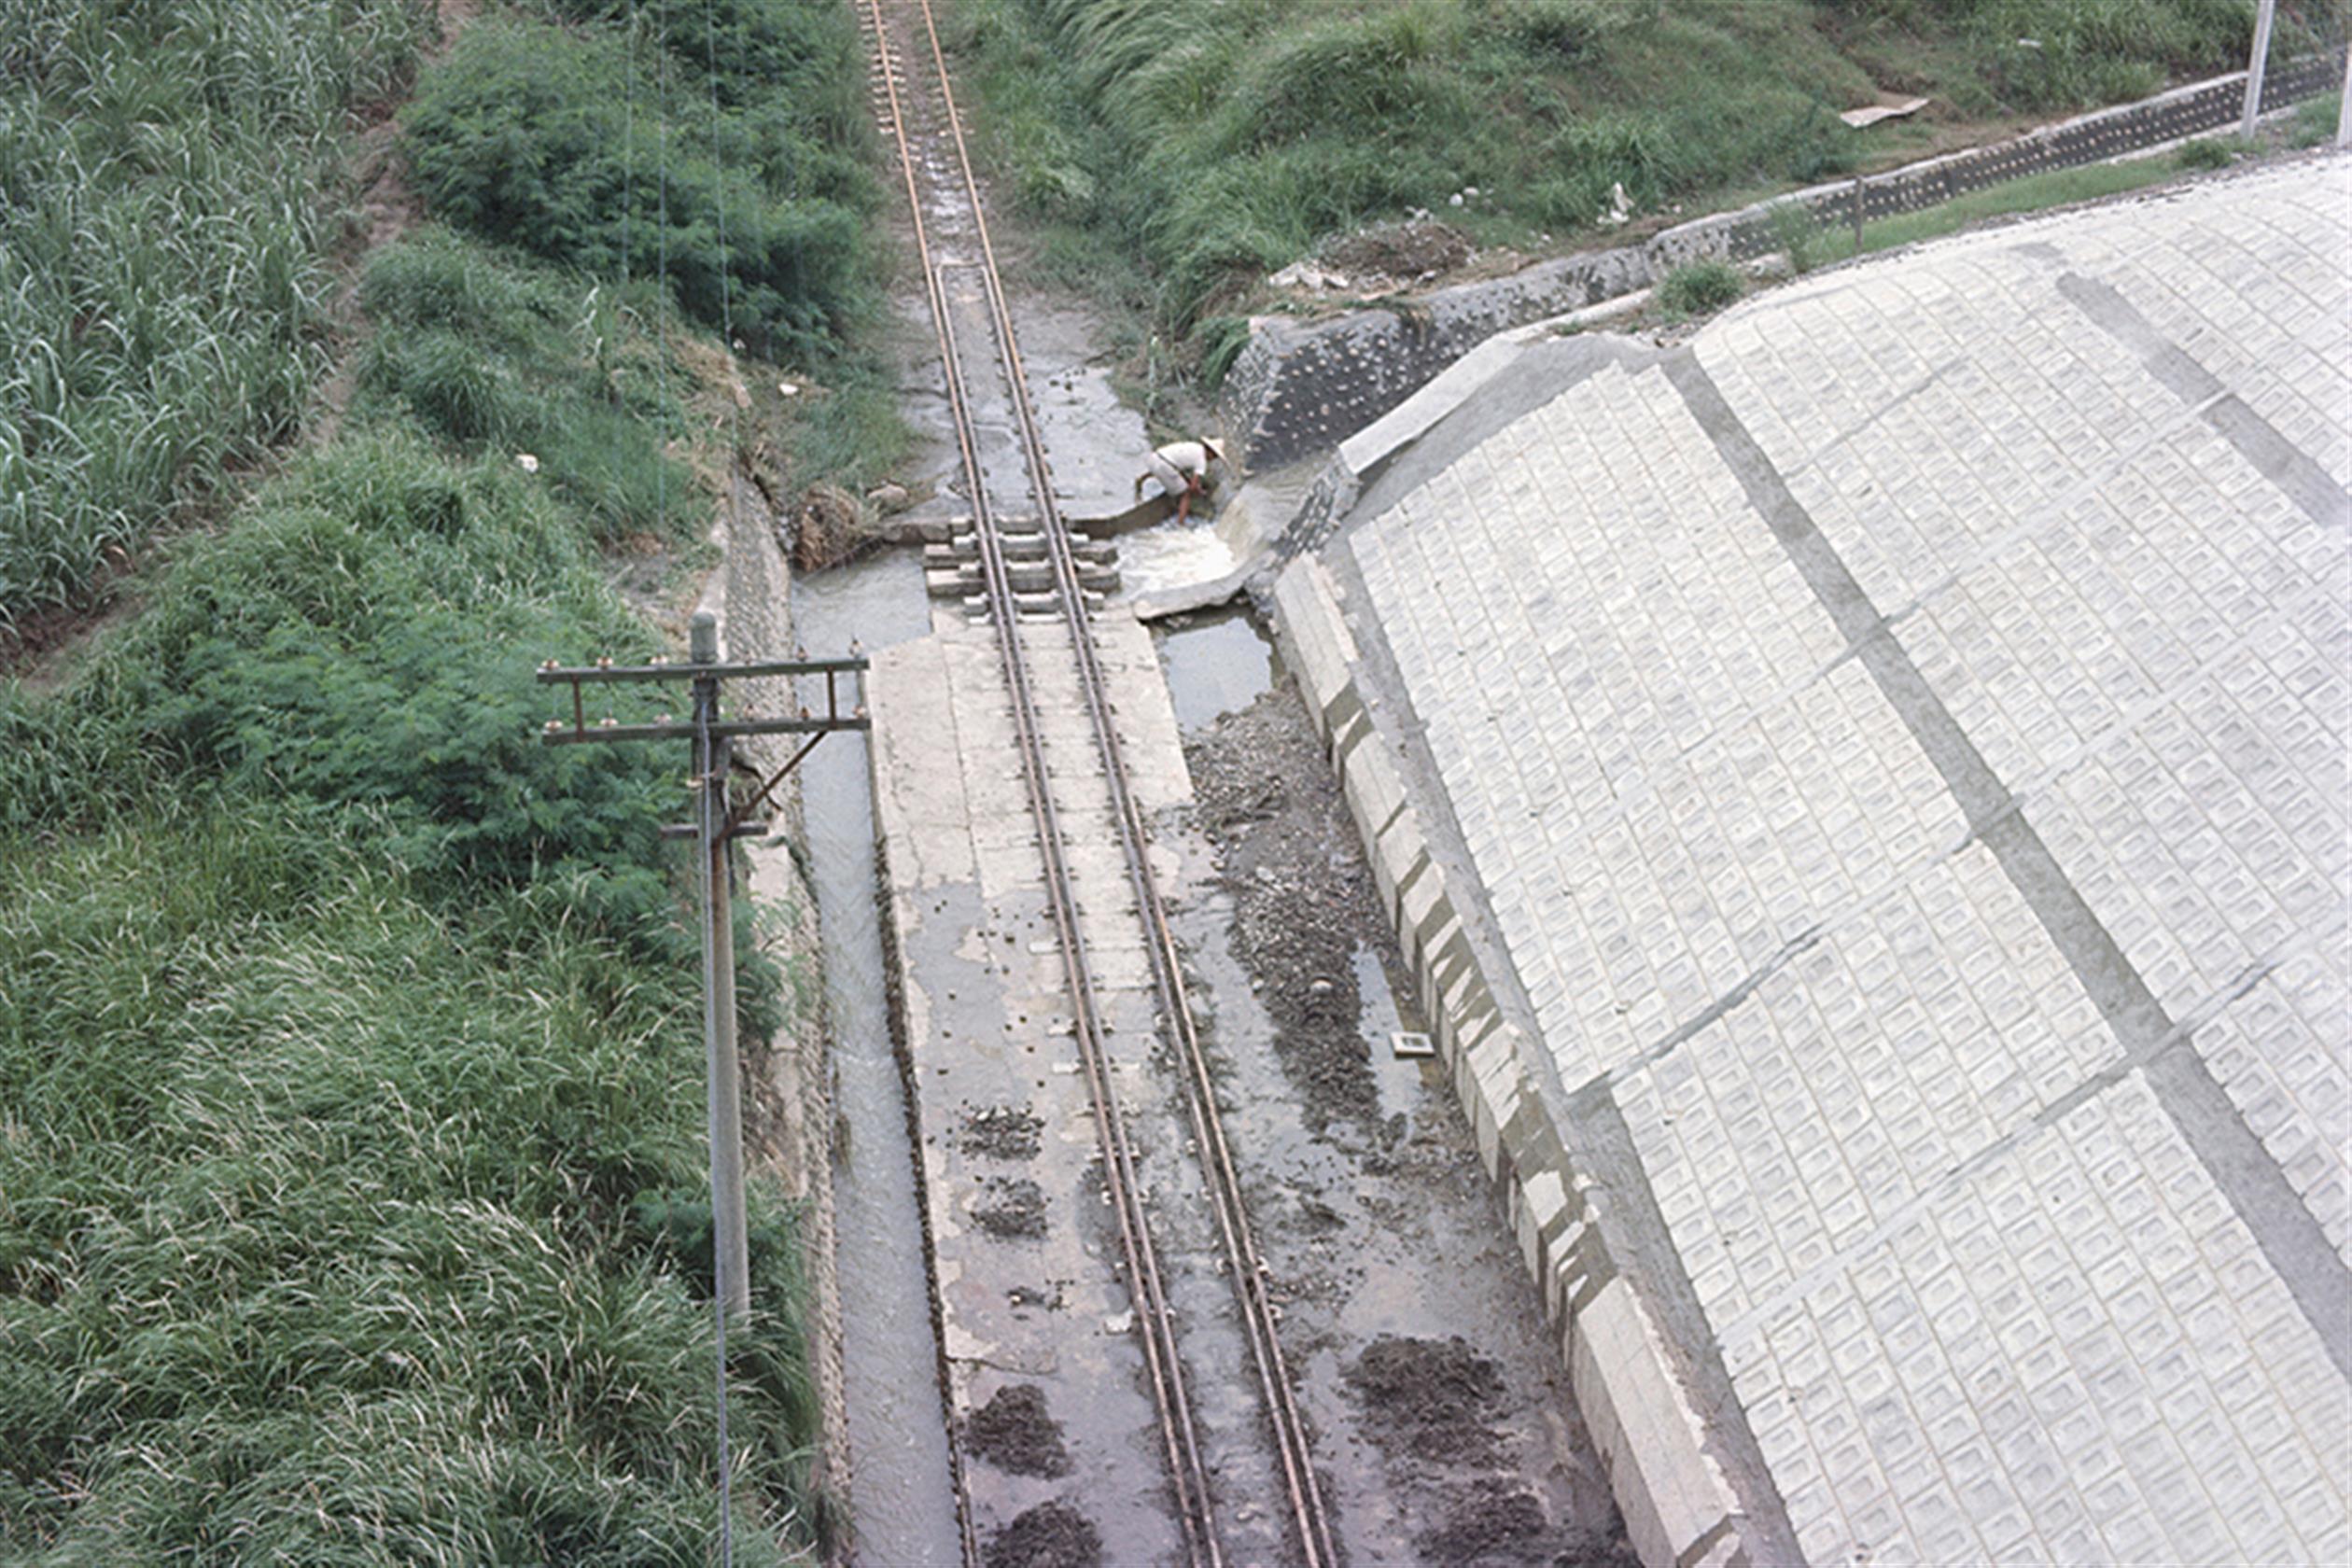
x: 348, y: 1065
x: 507, y: 358
x: 1817, y: 245
x: 2315, y: 120
x: 165, y: 174
x: 350, y: 1077
x: 1219, y: 139
x: 609, y: 151
x: 1700, y: 288
x: 2208, y: 152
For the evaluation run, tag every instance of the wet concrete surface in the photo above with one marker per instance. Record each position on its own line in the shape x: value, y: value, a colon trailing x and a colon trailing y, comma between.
x: 1028, y: 1256
x: 1408, y: 1318
x: 1097, y: 443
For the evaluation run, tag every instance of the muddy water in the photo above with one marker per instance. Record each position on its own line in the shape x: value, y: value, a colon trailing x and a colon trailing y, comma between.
x: 903, y: 1495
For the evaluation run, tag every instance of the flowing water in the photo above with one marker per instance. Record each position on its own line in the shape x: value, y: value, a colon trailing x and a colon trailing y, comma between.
x: 902, y: 1493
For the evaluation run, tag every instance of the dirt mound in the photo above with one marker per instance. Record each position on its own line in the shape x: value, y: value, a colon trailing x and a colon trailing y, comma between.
x: 1010, y: 1208
x: 1013, y: 1432
x: 1050, y: 1535
x: 829, y: 530
x: 1401, y: 251
x: 1493, y: 1521
x: 1267, y: 799
x: 1428, y: 1396
x: 1009, y: 1132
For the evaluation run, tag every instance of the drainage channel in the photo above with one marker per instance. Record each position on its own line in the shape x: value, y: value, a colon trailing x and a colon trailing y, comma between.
x: 902, y: 1497
x: 1446, y: 1431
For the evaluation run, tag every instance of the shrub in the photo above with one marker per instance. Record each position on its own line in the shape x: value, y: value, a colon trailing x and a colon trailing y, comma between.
x: 1799, y: 235
x: 571, y: 147
x: 1700, y: 288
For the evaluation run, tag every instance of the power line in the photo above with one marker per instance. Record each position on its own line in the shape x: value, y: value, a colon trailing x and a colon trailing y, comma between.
x: 717, y: 825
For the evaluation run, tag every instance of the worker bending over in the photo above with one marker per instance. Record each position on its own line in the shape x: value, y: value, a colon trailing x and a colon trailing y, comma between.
x: 1182, y: 468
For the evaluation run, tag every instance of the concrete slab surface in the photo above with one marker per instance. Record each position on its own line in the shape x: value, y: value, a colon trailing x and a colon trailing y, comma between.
x: 1879, y: 770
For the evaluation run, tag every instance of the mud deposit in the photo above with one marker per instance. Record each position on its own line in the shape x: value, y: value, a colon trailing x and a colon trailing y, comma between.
x: 1428, y: 1397
x: 1446, y: 1430
x: 1010, y: 1208
x: 1013, y: 1432
x: 1005, y: 1132
x: 1047, y: 1536
x: 1302, y: 903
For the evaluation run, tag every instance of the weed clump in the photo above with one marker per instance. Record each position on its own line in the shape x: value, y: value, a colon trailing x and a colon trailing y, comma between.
x: 592, y: 150
x: 2207, y: 152
x: 1700, y: 288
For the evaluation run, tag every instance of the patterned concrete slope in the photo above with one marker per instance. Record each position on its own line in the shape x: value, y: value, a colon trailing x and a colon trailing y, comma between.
x: 1890, y: 755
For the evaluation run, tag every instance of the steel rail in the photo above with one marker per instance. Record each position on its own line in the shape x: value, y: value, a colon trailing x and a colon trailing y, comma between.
x: 1188, y: 1471
x: 1308, y: 1515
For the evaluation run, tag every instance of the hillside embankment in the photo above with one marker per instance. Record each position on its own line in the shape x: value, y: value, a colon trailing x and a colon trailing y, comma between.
x: 1218, y: 142
x: 350, y: 1137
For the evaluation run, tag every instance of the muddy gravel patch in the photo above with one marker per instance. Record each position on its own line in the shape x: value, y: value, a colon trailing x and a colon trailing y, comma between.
x: 1050, y: 1535
x: 1301, y: 895
x: 1005, y: 1132
x: 1013, y: 1432
x: 1428, y: 1397
x: 1010, y: 1208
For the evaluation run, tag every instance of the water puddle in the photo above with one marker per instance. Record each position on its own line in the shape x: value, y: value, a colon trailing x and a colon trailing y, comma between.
x: 1216, y: 664
x: 903, y: 1492
x: 1399, y: 1079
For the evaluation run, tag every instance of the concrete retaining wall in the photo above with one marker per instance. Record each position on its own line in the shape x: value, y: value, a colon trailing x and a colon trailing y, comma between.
x: 1679, y: 1510
x: 789, y: 1114
x: 1301, y: 387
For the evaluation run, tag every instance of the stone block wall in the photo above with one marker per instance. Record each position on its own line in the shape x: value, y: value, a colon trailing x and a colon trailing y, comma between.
x: 1301, y: 387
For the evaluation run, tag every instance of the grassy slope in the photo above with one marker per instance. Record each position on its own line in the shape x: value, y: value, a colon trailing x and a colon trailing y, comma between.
x: 1222, y: 138
x: 350, y: 1079
x: 161, y: 241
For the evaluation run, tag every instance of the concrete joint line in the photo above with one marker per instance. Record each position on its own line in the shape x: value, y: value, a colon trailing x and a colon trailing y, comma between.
x: 1618, y: 1181
x: 2253, y: 1184
x: 2277, y: 459
x: 1939, y: 1189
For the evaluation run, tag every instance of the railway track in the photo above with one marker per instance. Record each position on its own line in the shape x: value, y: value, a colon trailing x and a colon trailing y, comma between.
x: 965, y: 290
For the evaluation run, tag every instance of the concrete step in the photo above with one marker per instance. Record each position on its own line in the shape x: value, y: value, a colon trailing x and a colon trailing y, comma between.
x: 1016, y: 547
x: 963, y: 579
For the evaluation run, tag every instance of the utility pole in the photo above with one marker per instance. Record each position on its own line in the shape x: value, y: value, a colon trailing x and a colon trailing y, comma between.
x: 716, y: 825
x: 2256, y: 64
x: 2344, y: 105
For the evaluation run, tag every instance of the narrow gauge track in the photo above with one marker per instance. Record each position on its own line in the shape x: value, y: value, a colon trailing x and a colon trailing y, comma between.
x: 954, y: 196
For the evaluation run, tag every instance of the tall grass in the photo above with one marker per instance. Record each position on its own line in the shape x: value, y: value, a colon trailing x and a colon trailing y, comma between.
x: 493, y: 354
x: 1219, y: 139
x: 324, y: 1220
x: 165, y: 171
x: 350, y: 1126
